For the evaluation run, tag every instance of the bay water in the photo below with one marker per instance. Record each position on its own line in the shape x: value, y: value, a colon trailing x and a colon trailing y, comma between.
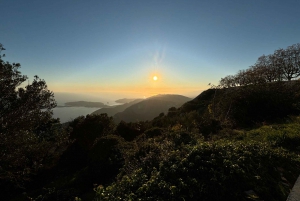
x: 66, y: 114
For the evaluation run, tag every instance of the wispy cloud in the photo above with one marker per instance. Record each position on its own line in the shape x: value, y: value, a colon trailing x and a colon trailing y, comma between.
x: 159, y: 55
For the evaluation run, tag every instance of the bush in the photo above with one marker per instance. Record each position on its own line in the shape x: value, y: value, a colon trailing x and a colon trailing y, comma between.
x: 209, y: 171
x: 87, y: 129
x: 153, y: 132
x: 128, y: 131
x: 261, y: 103
x: 105, y: 158
x: 30, y: 139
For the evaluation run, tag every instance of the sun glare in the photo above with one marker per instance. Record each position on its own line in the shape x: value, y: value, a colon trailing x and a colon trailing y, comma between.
x: 155, y: 78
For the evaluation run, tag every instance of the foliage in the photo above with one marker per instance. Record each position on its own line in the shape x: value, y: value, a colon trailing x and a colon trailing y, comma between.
x: 86, y: 129
x: 153, y: 132
x: 94, y: 156
x: 207, y: 171
x: 248, y: 105
x: 29, y: 137
x: 238, y: 107
x: 283, y: 65
x: 84, y: 134
x: 21, y: 108
x: 178, y: 165
x: 129, y: 130
x: 286, y: 135
x: 105, y: 158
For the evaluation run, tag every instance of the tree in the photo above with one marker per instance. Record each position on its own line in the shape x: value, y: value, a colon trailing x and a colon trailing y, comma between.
x: 27, y: 130
x: 22, y: 108
x: 228, y: 81
x: 263, y: 69
x: 287, y: 62
x: 284, y: 64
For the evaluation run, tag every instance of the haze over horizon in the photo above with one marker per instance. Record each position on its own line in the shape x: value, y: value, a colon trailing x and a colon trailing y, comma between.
x: 106, y: 50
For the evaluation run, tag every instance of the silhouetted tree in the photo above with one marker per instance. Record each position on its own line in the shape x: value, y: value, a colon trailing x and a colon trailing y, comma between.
x: 87, y: 129
x: 27, y: 130
x: 22, y: 108
x: 228, y: 81
x: 288, y: 61
x: 128, y: 130
x: 284, y: 64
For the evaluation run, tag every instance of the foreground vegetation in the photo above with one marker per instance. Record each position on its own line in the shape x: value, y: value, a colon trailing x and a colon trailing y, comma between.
x: 231, y: 143
x: 258, y: 164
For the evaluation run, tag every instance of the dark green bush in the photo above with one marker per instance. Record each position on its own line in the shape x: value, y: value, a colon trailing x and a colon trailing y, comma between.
x: 209, y: 126
x: 129, y: 131
x: 87, y: 129
x: 208, y: 171
x: 253, y: 104
x: 153, y: 132
x: 105, y: 158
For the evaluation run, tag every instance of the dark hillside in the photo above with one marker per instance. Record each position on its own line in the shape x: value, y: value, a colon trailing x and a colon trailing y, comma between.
x: 125, y: 100
x: 150, y: 108
x: 111, y: 111
x: 200, y: 103
x: 246, y: 105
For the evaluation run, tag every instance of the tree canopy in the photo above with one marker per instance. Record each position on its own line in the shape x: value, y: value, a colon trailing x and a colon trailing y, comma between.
x: 22, y: 107
x: 283, y: 65
x: 27, y: 130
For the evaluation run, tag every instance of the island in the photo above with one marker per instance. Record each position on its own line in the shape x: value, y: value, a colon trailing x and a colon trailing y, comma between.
x: 85, y: 104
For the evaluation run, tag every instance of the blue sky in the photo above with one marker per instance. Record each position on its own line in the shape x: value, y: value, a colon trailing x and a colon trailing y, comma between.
x: 114, y: 48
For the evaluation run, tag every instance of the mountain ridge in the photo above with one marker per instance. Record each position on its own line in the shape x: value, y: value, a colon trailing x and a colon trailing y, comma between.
x: 150, y: 107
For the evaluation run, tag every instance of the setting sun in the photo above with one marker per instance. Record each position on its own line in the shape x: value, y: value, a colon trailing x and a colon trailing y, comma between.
x: 155, y: 78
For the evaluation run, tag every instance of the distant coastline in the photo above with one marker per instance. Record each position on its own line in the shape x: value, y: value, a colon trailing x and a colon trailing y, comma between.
x: 64, y: 106
x: 85, y: 104
x: 82, y: 106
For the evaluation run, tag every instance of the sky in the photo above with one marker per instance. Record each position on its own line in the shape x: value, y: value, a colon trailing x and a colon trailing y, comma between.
x: 98, y: 49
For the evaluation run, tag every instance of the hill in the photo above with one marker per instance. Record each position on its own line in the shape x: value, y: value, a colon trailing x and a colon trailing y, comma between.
x: 237, y: 107
x: 112, y: 110
x: 125, y: 100
x: 150, y: 108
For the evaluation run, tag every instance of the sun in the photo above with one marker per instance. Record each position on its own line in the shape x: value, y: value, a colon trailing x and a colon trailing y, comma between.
x: 155, y: 78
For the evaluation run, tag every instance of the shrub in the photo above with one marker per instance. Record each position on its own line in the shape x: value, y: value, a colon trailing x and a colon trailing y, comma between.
x: 128, y: 130
x: 209, y: 171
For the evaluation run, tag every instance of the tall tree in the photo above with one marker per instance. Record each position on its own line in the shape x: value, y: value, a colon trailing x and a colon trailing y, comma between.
x: 266, y: 68
x: 284, y: 62
x: 28, y: 134
x: 22, y: 108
